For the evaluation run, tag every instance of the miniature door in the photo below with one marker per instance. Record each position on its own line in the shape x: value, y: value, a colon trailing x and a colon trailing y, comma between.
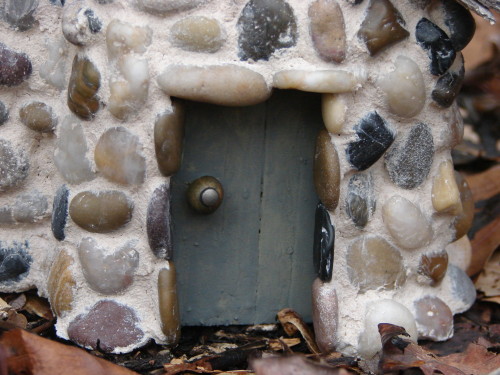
x: 251, y: 257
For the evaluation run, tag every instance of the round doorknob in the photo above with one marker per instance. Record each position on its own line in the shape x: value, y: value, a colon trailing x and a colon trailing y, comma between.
x: 205, y: 194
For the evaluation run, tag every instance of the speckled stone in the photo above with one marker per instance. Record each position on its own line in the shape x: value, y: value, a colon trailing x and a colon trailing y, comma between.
x: 168, y: 304
x: 326, y: 171
x: 461, y: 287
x: 437, y: 44
x: 372, y: 263
x: 19, y: 13
x: 432, y: 267
x: 15, y: 67
x: 30, y: 207
x: 108, y: 273
x: 60, y: 212
x: 168, y: 138
x: 197, y: 34
x: 14, y: 165
x: 445, y: 193
x: 80, y: 23
x: 4, y: 113
x: 61, y: 283
x: 118, y: 156
x: 325, y: 315
x: 70, y: 154
x: 449, y: 84
x: 434, y: 319
x: 38, y: 116
x: 324, y: 241
x: 406, y: 223
x: 15, y: 262
x: 360, y: 201
x: 163, y: 7
x: 328, y: 30
x: 101, y: 211
x: 265, y: 26
x: 455, y: 20
x: 159, y: 223
x: 382, y: 27
x: 84, y: 83
x: 463, y: 221
x: 410, y: 159
x: 108, y: 326
x: 373, y: 138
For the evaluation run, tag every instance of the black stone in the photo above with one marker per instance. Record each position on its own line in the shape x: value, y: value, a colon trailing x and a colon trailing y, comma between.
x: 15, y: 262
x: 4, y: 113
x: 324, y: 239
x: 159, y: 223
x: 95, y: 25
x: 265, y: 26
x: 360, y: 202
x: 60, y: 212
x: 410, y: 160
x: 449, y: 84
x: 460, y: 23
x: 374, y: 137
x: 58, y: 2
x: 437, y: 44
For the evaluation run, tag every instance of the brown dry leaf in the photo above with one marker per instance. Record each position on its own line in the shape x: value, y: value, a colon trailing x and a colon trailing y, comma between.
x: 489, y: 280
x: 38, y: 306
x: 283, y: 344
x: 475, y: 360
x: 477, y: 51
x: 292, y: 322
x: 295, y: 364
x: 15, y: 320
x: 18, y: 302
x: 29, y: 354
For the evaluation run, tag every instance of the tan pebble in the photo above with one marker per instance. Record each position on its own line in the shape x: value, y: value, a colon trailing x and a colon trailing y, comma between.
x: 325, y: 315
x: 122, y: 38
x: 61, y: 283
x: 38, y: 116
x: 326, y: 171
x: 460, y: 253
x: 168, y: 303
x: 334, y: 109
x: 197, y: 34
x: 445, y: 193
x: 464, y: 219
x: 321, y: 81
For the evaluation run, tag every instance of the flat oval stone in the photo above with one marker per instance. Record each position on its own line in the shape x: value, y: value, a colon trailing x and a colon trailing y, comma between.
x: 326, y: 171
x: 168, y: 138
x: 84, y: 82
x: 4, y: 113
x: 38, y: 116
x: 102, y: 211
x: 108, y: 273
x: 14, y: 166
x: 409, y: 160
x: 265, y: 26
x: 118, y: 156
x: 159, y: 223
x: 60, y: 212
x: 360, y: 201
x: 197, y: 34
x: 333, y: 110
x: 434, y: 319
x: 433, y: 267
x: 166, y: 6
x: 70, y: 154
x: 449, y: 84
x: 19, y: 13
x: 169, y: 305
x: 228, y: 85
x: 437, y: 44
x: 373, y: 263
x: 445, y: 193
x: 373, y: 138
x: 61, y: 283
x: 404, y: 88
x: 15, y: 262
x: 455, y: 20
x: 321, y: 81
x: 109, y: 326
x: 382, y: 27
x: 30, y: 207
x: 325, y: 315
x: 328, y: 30
x: 463, y: 221
x: 406, y: 223
x: 461, y: 288
x: 324, y: 241
x: 15, y: 67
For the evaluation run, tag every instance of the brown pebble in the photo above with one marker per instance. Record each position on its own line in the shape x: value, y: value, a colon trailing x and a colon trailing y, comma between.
x: 84, y: 83
x: 61, y: 283
x: 463, y: 221
x: 433, y: 266
x: 326, y: 171
x: 38, y: 116
x: 169, y: 306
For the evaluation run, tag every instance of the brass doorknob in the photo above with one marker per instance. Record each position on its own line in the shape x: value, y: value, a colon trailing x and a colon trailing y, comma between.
x: 205, y: 194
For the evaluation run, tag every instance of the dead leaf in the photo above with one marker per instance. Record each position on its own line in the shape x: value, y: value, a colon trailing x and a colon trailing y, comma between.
x: 15, y: 320
x: 293, y: 322
x: 280, y: 344
x: 489, y: 280
x: 295, y: 364
x: 29, y: 354
x: 475, y: 360
x: 38, y: 306
x: 18, y: 302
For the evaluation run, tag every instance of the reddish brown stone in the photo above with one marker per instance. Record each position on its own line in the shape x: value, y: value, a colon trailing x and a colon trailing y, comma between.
x: 434, y: 266
x: 14, y: 67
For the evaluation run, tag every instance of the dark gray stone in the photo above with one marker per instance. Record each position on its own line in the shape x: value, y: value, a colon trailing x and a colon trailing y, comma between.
x: 58, y: 2
x: 60, y: 212
x: 410, y: 160
x: 19, y: 13
x: 458, y: 23
x: 15, y: 262
x: 265, y: 26
x: 14, y: 166
x: 159, y: 223
x: 437, y: 44
x: 324, y: 240
x: 360, y: 202
x: 374, y: 138
x: 14, y: 67
x: 95, y: 24
x: 449, y: 84
x: 4, y: 113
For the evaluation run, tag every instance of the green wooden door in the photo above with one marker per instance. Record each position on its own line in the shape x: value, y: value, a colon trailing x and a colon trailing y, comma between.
x: 253, y: 256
